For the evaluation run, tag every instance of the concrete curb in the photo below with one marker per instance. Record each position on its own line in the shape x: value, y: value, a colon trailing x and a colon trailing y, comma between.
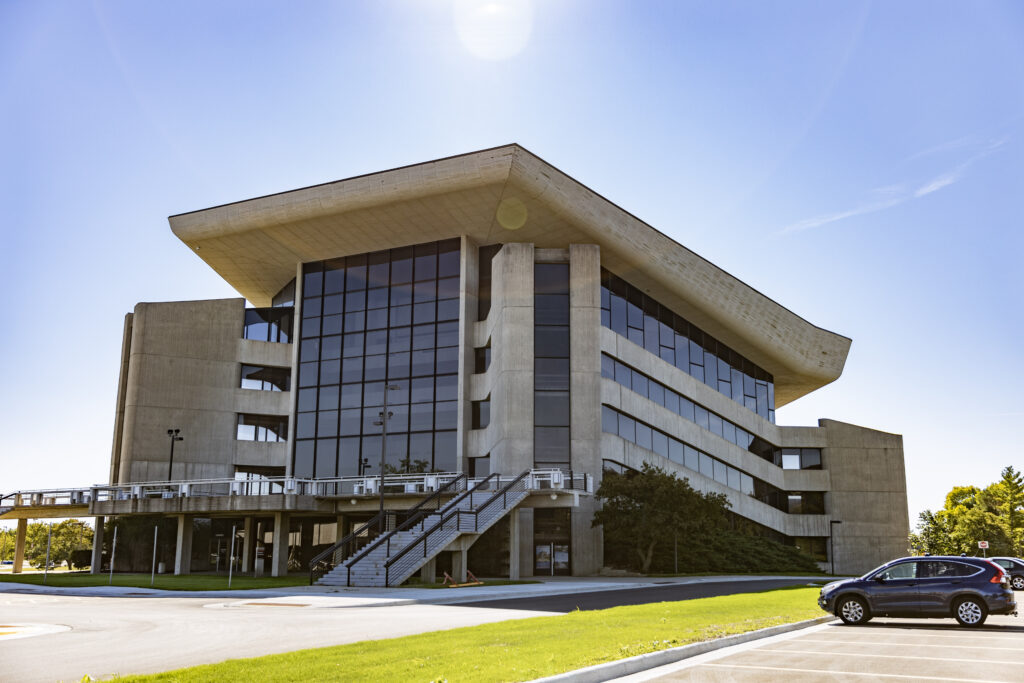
x: 625, y: 667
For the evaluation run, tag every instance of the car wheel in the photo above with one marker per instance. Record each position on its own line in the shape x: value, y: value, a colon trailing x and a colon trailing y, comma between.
x: 970, y: 612
x: 1017, y: 582
x: 852, y: 611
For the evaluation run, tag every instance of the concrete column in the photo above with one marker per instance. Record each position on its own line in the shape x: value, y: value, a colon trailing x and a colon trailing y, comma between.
x: 97, y: 547
x: 183, y: 546
x: 587, y: 549
x: 459, y: 558
x: 339, y: 529
x: 306, y: 543
x: 428, y: 573
x: 512, y: 362
x: 513, y: 545
x: 248, y: 544
x: 19, y: 545
x: 279, y: 564
x: 526, y: 542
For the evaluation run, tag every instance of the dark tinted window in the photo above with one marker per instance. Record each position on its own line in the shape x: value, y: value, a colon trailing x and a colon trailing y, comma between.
x: 356, y: 335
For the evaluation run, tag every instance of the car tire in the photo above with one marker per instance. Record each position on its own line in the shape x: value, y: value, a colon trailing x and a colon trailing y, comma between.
x: 970, y: 612
x: 852, y: 611
x: 1017, y: 581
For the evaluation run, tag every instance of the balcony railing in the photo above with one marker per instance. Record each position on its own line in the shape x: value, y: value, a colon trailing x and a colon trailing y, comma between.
x: 413, y: 484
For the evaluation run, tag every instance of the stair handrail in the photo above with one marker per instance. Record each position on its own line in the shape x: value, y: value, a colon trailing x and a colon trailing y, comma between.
x: 417, y: 512
x: 315, y: 574
x: 469, y: 491
x: 502, y: 493
x: 388, y: 536
x: 416, y: 509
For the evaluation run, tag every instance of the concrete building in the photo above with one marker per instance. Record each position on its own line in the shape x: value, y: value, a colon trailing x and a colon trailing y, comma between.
x: 514, y: 322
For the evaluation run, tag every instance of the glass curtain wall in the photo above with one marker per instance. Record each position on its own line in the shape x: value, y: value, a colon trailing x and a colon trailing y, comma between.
x: 551, y: 365
x: 369, y: 321
x: 629, y: 312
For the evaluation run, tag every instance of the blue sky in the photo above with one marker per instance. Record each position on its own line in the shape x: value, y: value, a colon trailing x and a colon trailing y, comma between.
x: 858, y: 162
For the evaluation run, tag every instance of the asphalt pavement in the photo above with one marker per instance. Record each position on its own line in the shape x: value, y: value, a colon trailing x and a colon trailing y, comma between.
x: 884, y: 649
x: 637, y: 596
x: 102, y: 631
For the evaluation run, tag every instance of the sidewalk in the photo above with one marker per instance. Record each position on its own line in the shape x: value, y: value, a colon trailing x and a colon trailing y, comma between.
x: 340, y: 597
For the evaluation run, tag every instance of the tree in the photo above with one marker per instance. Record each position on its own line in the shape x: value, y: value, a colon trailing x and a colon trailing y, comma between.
x: 407, y: 466
x: 1009, y: 495
x: 971, y: 514
x: 68, y: 536
x: 642, y: 510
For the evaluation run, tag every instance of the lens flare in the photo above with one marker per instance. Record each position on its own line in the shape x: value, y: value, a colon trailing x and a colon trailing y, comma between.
x: 511, y: 213
x: 493, y: 29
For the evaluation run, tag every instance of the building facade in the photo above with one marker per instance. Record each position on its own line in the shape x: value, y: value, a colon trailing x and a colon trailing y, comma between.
x: 512, y: 320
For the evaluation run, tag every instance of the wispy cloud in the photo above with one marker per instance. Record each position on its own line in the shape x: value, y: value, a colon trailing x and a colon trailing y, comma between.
x: 942, y: 181
x: 888, y: 196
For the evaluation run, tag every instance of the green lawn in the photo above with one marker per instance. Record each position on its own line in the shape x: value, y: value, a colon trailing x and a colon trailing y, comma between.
x: 194, y: 582
x: 522, y: 649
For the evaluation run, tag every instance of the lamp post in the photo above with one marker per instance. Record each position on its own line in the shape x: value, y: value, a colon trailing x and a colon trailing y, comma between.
x: 173, y: 433
x: 832, y: 543
x: 383, y: 422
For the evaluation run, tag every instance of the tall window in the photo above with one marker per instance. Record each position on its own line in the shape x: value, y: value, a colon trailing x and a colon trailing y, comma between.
x: 386, y: 318
x: 629, y: 312
x: 551, y: 365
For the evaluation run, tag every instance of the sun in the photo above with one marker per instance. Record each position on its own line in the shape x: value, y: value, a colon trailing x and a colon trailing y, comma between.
x: 494, y: 29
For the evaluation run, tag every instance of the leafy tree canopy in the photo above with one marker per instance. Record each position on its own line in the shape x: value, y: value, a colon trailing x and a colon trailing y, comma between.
x: 971, y: 514
x: 639, y: 508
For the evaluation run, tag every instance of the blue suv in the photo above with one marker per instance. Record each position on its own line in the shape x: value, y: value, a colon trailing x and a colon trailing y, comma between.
x: 966, y: 588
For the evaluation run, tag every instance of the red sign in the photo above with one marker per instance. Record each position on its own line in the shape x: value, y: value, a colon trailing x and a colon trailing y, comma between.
x: 983, y: 544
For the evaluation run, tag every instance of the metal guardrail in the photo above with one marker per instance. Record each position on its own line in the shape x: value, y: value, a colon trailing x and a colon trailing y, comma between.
x: 390, y: 535
x: 400, y: 563
x: 268, y: 486
x: 327, y: 560
x: 323, y: 488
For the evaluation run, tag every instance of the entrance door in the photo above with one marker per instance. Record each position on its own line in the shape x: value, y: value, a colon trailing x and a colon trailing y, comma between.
x: 551, y: 542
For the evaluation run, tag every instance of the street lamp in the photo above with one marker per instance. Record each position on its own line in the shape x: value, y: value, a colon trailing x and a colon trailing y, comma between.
x: 383, y: 423
x: 832, y: 543
x: 173, y: 433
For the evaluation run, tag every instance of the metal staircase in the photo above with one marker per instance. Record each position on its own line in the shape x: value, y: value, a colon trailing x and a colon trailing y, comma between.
x: 393, y: 557
x: 350, y: 546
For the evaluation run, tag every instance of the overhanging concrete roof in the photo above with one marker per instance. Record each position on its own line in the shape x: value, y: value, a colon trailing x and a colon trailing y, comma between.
x: 256, y: 244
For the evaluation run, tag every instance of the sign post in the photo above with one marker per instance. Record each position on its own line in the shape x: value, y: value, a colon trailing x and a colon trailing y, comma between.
x: 983, y: 545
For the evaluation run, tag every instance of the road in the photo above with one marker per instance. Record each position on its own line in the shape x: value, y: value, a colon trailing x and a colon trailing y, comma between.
x: 145, y: 635
x: 635, y: 596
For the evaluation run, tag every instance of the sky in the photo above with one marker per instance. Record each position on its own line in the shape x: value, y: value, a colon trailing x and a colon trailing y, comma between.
x: 859, y: 162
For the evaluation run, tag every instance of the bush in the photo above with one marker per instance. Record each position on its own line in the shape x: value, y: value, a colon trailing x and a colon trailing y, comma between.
x: 80, y: 559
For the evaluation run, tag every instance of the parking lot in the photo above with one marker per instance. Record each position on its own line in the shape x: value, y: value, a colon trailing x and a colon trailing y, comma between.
x: 884, y: 649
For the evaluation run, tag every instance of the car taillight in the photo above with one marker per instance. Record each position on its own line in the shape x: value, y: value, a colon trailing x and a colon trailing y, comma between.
x: 1000, y: 575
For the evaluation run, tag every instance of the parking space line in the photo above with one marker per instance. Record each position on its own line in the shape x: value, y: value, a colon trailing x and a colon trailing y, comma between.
x: 922, y: 633
x: 854, y: 673
x: 875, y: 642
x: 863, y: 654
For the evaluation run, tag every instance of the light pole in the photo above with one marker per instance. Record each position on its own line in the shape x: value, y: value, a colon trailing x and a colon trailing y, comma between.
x: 832, y: 543
x: 383, y: 422
x: 173, y: 433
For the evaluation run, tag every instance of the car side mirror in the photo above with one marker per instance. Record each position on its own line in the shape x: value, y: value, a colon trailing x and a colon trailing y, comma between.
x: 879, y: 578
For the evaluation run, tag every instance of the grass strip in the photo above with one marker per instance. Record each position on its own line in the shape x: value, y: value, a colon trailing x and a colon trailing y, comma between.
x: 522, y: 649
x: 191, y: 582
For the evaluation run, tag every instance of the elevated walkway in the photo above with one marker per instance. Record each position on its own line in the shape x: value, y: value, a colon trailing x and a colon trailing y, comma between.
x: 414, y: 502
